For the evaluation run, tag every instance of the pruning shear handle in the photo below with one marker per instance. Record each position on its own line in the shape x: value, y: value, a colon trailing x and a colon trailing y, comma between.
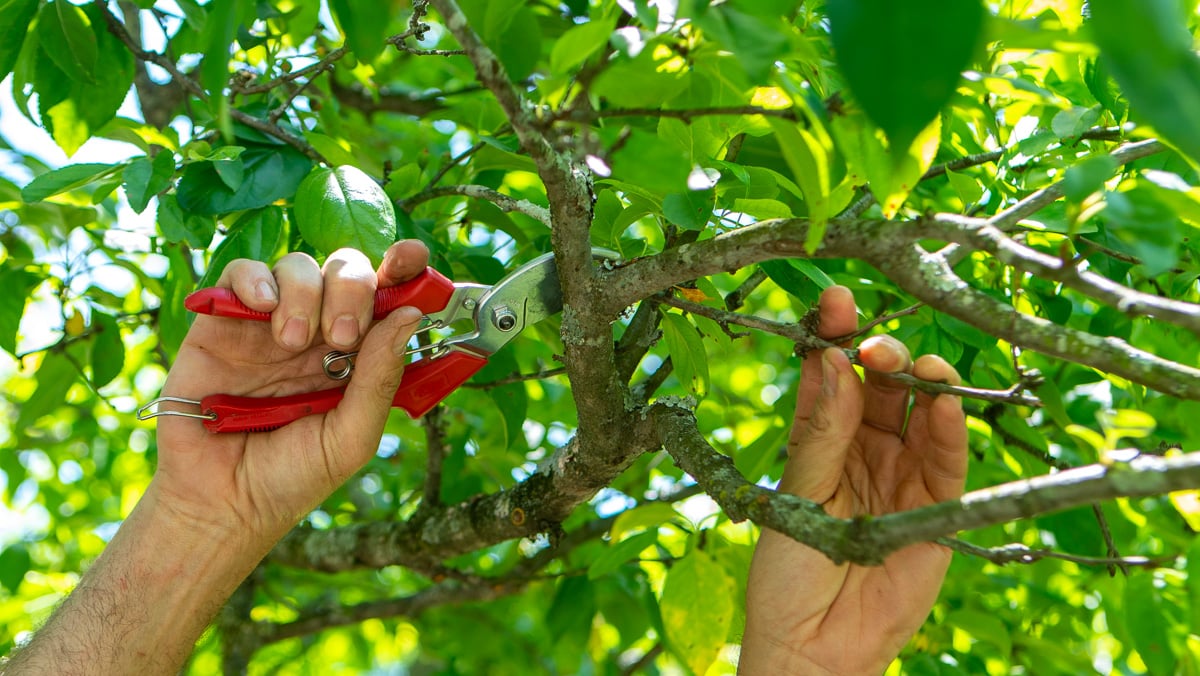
x: 426, y: 381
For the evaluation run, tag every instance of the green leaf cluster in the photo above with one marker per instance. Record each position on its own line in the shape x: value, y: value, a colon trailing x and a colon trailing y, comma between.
x: 696, y: 120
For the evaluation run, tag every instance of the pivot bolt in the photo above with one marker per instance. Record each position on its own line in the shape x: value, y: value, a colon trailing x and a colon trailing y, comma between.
x: 504, y: 318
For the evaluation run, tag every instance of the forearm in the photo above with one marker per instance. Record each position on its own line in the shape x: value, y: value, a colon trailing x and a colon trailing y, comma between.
x: 142, y: 605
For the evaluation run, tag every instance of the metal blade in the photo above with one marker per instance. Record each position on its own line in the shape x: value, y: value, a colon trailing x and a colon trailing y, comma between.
x: 525, y: 297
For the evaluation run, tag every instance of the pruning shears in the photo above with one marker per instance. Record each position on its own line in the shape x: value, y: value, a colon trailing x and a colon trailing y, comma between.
x: 497, y: 314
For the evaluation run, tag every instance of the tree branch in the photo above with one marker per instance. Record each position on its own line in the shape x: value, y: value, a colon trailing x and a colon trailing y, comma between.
x: 538, y: 504
x: 1040, y: 199
x: 984, y: 236
x: 870, y: 540
x: 1019, y: 553
x: 891, y: 247
x: 118, y: 29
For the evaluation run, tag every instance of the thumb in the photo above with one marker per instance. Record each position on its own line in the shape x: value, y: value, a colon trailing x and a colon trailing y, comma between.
x: 817, y: 447
x: 353, y: 429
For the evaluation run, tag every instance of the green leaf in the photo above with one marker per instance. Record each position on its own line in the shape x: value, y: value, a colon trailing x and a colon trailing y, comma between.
x: 180, y: 226
x: 510, y: 399
x: 55, y: 377
x: 365, y: 24
x: 618, y: 554
x: 271, y: 173
x: 687, y: 352
x: 572, y: 610
x: 804, y: 281
x: 755, y: 460
x: 578, y: 43
x: 232, y: 172
x: 697, y: 609
x: 17, y: 283
x: 1146, y: 225
x: 1193, y: 584
x: 145, y: 178
x: 220, y: 25
x: 66, y: 36
x: 17, y: 16
x: 756, y: 41
x: 344, y: 207
x: 647, y: 162
x: 256, y: 236
x: 14, y: 563
x: 65, y: 179
x: 890, y: 172
x: 1148, y: 623
x: 808, y: 153
x: 647, y: 516
x: 1087, y: 177
x: 173, y: 318
x: 73, y: 110
x: 689, y: 210
x: 1148, y: 49
x: 902, y: 60
x: 108, y: 350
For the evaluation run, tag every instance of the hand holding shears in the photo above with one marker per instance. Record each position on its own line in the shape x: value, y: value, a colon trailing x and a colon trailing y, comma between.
x: 496, y: 314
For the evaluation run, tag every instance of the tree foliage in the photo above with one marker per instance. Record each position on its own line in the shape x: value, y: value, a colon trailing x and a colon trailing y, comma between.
x: 1010, y: 184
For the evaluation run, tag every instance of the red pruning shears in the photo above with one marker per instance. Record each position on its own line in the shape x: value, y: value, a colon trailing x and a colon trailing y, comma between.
x: 498, y: 314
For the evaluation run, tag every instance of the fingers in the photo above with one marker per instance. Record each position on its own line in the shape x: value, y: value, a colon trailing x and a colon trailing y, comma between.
x: 402, y: 261
x: 886, y: 404
x: 355, y: 426
x: 938, y: 430
x: 349, y: 298
x: 337, y: 300
x: 253, y: 283
x: 838, y: 317
x: 296, y: 319
x: 817, y: 448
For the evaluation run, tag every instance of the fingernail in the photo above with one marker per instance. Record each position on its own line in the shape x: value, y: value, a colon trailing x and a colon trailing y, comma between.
x: 829, y: 375
x: 265, y: 291
x: 295, y: 333
x: 344, y: 331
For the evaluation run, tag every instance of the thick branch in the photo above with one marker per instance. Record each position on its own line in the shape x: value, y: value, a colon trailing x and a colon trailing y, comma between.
x: 982, y: 235
x: 587, y: 335
x: 890, y: 246
x: 871, y: 540
x: 929, y: 277
x: 536, y: 505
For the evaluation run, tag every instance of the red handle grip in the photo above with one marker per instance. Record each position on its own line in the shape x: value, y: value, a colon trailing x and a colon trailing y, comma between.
x: 428, y: 381
x: 429, y: 292
x: 425, y: 384
x: 263, y: 414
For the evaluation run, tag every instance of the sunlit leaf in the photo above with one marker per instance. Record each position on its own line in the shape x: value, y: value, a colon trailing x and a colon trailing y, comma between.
x: 697, y: 609
x: 344, y: 207
x: 902, y: 60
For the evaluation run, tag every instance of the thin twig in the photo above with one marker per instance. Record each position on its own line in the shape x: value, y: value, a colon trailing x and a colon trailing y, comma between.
x: 882, y: 319
x: 807, y: 341
x: 314, y: 69
x: 516, y: 378
x: 737, y: 297
x: 454, y: 162
x: 504, y: 202
x: 588, y: 114
x: 1040, y: 199
x: 1019, y: 553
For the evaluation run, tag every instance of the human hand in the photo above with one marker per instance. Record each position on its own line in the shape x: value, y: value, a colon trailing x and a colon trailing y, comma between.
x: 262, y: 484
x: 852, y: 452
